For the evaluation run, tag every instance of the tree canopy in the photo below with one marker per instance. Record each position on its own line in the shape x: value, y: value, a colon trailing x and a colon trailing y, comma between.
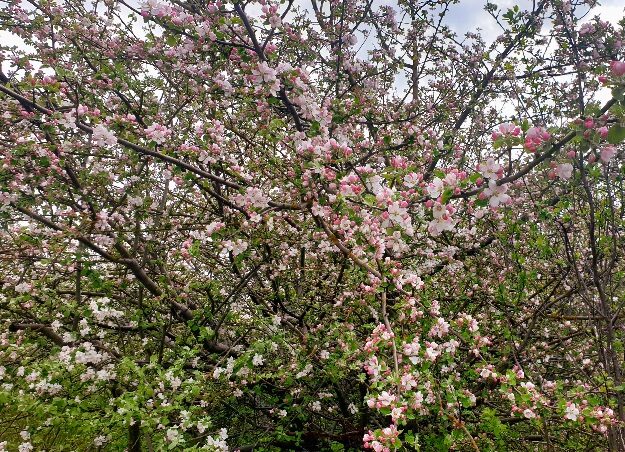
x: 318, y: 225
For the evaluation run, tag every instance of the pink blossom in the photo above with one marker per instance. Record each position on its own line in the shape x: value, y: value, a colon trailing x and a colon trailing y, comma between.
x: 412, y: 349
x: 385, y: 399
x: 564, y: 171
x: 537, y: 134
x: 435, y: 188
x: 440, y: 328
x: 23, y: 287
x: 412, y: 179
x: 438, y: 225
x: 490, y: 169
x: 535, y: 137
x: 607, y: 153
x: 509, y: 129
x: 432, y: 352
x: 617, y: 68
x: 102, y: 136
x: 497, y: 193
x: 439, y: 210
x: 264, y: 74
x: 157, y: 133
x: 586, y: 29
x: 572, y: 411
x: 506, y: 129
x: 529, y: 414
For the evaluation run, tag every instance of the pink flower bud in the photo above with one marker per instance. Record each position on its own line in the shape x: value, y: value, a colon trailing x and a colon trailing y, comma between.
x: 602, y: 131
x: 617, y: 68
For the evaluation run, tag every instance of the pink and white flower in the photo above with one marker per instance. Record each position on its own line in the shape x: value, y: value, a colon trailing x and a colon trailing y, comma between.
x: 490, y: 169
x: 607, y: 153
x: 102, y: 136
x: 572, y: 411
x: 564, y: 171
x: 497, y: 193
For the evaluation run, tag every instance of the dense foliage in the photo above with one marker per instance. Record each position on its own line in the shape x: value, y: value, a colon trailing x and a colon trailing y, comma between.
x: 319, y: 226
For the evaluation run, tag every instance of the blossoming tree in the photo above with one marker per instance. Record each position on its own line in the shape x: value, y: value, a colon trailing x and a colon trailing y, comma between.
x: 310, y: 226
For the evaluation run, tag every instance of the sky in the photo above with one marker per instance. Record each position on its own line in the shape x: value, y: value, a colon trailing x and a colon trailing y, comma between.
x: 467, y: 15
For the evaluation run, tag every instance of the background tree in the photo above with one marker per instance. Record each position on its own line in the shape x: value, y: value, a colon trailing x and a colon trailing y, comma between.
x: 328, y: 226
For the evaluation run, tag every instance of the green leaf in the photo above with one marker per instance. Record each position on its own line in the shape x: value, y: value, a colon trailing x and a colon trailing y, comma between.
x: 618, y: 93
x: 171, y: 40
x: 194, y: 250
x: 446, y: 195
x: 315, y: 128
x: 276, y: 123
x: 338, y: 118
x: 474, y: 177
x: 616, y: 134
